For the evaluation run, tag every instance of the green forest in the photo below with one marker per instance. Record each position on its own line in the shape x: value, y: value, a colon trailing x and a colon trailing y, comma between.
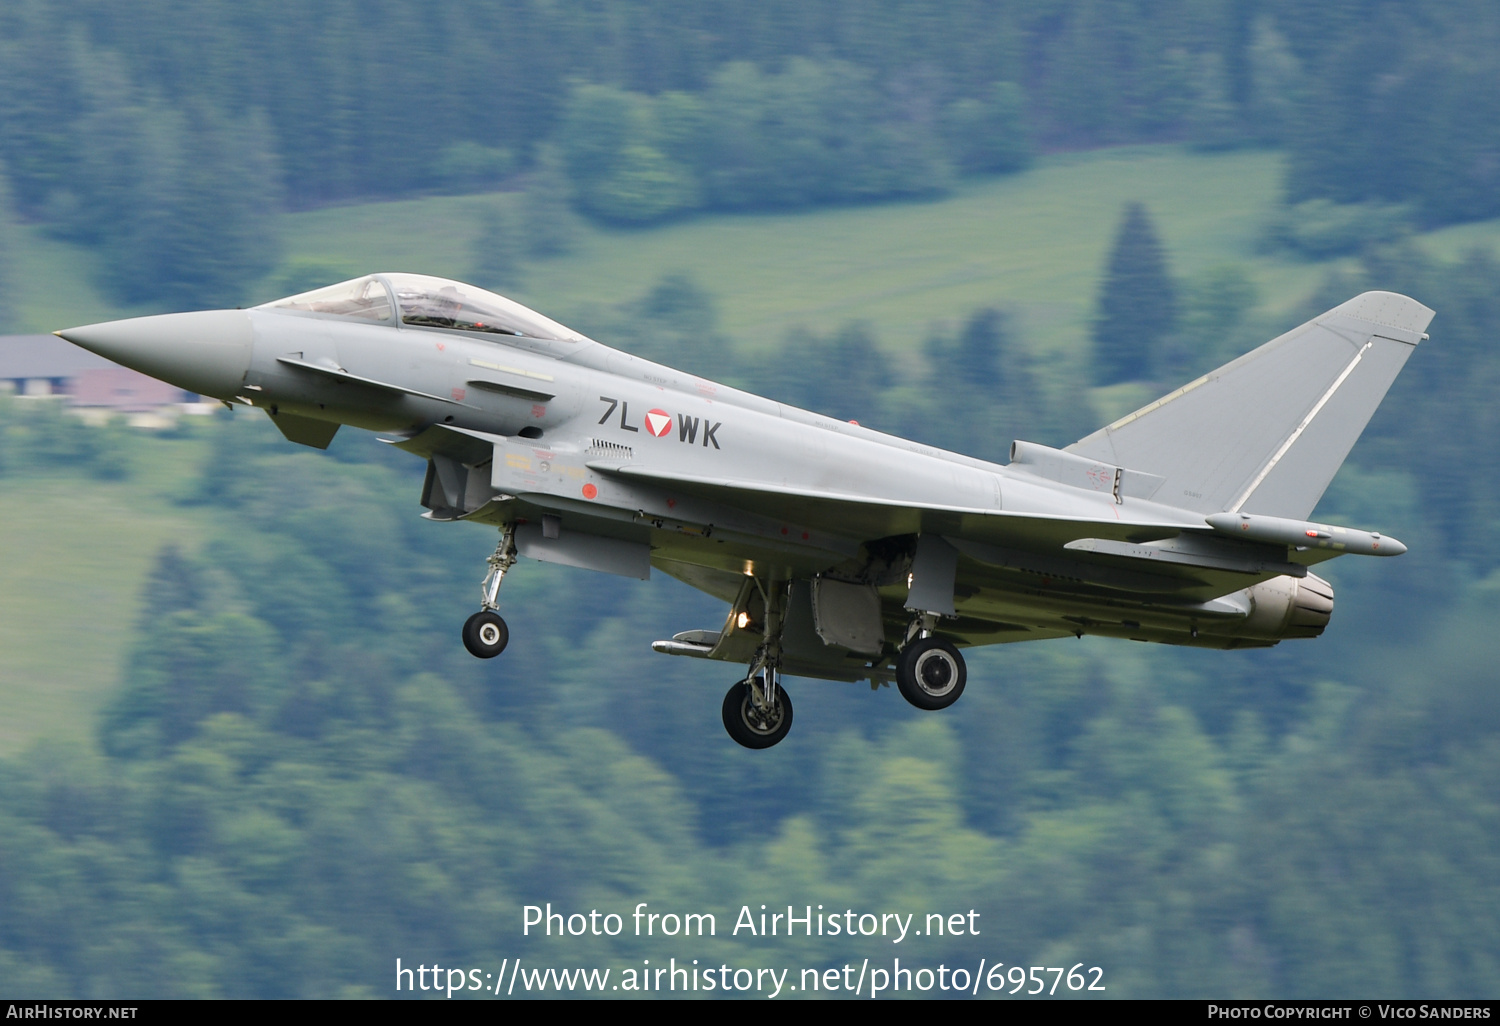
x: 294, y: 775
x: 163, y: 133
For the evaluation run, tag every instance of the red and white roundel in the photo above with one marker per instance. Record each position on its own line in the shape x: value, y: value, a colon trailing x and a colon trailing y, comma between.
x: 658, y: 422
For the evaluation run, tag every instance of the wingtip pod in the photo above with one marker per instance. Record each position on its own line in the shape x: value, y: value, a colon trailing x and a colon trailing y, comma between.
x: 1389, y: 310
x: 1302, y: 534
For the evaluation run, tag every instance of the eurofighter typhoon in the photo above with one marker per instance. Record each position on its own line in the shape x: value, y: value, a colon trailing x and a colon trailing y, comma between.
x: 843, y: 553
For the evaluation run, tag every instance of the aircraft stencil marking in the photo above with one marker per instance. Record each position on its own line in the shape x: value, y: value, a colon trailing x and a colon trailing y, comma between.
x: 840, y: 552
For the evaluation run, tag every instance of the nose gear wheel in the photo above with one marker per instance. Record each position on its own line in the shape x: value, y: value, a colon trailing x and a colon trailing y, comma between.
x: 485, y: 634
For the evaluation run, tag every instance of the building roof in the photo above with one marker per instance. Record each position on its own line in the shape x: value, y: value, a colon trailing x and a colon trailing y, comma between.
x: 86, y: 378
x: 122, y: 389
x: 45, y: 356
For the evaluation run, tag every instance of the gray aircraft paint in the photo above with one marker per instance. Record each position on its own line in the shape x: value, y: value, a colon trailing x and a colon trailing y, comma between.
x: 1267, y: 432
x: 1180, y: 523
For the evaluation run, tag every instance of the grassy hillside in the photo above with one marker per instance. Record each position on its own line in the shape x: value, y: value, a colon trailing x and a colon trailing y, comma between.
x: 74, y: 553
x: 1033, y: 243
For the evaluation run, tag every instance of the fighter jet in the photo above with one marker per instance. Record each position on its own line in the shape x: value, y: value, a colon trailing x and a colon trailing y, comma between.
x: 842, y: 553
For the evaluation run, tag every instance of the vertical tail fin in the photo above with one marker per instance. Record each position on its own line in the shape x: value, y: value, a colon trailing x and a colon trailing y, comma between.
x: 1266, y: 433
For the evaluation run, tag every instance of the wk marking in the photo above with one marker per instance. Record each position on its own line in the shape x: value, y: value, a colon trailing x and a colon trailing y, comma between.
x: 658, y: 423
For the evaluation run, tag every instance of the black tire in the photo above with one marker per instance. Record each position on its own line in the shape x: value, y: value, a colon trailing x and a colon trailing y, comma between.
x: 748, y: 726
x: 485, y: 634
x: 931, y: 673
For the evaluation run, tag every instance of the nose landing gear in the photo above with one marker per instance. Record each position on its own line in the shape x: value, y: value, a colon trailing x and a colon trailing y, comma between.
x: 485, y: 634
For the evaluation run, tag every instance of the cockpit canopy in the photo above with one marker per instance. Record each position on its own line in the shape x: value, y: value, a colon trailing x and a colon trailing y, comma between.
x: 364, y: 298
x: 428, y: 302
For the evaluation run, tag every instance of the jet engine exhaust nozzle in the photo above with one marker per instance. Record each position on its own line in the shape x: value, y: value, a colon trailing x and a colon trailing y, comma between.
x: 1286, y: 607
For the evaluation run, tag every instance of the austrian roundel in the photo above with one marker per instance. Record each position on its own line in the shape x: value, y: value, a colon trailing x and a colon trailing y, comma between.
x: 658, y: 422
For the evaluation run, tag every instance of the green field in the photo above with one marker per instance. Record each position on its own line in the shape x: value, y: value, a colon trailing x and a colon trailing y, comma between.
x: 73, y: 556
x: 1032, y: 242
x: 75, y: 552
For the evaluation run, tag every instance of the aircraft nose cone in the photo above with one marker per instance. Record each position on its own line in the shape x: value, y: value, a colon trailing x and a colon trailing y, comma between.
x: 206, y: 352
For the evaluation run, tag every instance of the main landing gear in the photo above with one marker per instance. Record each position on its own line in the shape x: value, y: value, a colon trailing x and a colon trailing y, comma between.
x: 757, y: 712
x: 930, y: 672
x: 485, y: 633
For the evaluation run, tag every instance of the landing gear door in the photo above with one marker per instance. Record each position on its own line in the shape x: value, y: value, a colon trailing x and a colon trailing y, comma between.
x: 848, y: 615
x: 742, y: 629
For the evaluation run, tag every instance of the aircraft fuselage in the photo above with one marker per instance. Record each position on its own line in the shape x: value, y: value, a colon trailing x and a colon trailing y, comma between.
x: 843, y: 552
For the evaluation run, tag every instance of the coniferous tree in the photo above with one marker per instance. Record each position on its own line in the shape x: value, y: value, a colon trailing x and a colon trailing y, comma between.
x: 548, y: 225
x: 183, y: 204
x: 1275, y: 84
x: 493, y: 257
x: 1212, y: 311
x: 175, y: 585
x: 1084, y: 103
x: 989, y: 134
x: 107, y: 146
x: 7, y: 240
x: 680, y: 303
x: 226, y: 231
x: 33, y: 143
x: 1212, y: 124
x: 980, y: 384
x: 854, y: 360
x: 1137, y: 301
x: 844, y: 375
x: 675, y: 322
